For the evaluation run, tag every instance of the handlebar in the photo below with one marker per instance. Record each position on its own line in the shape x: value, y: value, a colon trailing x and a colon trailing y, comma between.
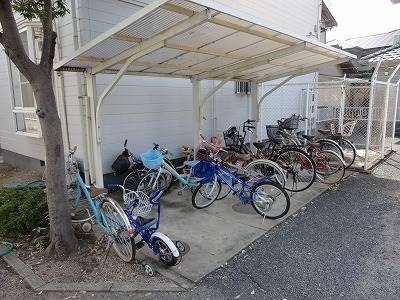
x: 125, y: 143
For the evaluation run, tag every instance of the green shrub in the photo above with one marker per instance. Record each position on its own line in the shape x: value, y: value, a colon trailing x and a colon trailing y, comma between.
x: 22, y: 211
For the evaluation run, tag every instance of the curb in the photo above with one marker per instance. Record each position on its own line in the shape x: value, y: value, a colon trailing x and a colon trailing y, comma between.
x: 38, y: 284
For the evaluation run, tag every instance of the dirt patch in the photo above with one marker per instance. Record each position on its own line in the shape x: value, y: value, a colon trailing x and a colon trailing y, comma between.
x: 91, y: 263
x: 10, y: 174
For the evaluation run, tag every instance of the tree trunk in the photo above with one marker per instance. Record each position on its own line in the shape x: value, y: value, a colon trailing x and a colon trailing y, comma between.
x: 62, y: 238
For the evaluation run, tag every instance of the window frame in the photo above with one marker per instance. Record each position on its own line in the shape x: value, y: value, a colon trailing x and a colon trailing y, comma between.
x: 28, y: 28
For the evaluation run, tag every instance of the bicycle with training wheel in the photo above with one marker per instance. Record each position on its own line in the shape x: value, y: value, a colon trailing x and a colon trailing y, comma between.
x: 268, y: 198
x: 155, y: 160
x: 98, y: 208
x: 138, y: 208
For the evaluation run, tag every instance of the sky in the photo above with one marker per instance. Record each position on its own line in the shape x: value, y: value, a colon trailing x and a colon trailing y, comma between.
x: 362, y: 17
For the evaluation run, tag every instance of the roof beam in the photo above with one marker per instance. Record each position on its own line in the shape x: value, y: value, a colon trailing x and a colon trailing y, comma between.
x: 89, y: 58
x: 177, y: 29
x: 205, y: 51
x: 253, y: 62
x: 127, y: 38
x: 150, y: 74
x: 171, y: 66
x: 301, y: 71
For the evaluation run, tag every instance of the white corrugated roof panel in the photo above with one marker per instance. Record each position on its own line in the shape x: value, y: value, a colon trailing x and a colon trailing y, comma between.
x: 201, y: 39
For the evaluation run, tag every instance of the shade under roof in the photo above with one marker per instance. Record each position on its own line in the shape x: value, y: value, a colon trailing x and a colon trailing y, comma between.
x: 201, y: 39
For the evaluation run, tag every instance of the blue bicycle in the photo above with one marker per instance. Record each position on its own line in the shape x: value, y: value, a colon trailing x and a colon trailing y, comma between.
x: 100, y: 209
x: 138, y: 208
x: 268, y: 198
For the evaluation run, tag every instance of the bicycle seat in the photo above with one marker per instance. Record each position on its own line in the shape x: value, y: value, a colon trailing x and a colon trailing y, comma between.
x: 324, y: 131
x: 144, y: 221
x: 308, y: 137
x: 259, y: 145
x: 95, y: 192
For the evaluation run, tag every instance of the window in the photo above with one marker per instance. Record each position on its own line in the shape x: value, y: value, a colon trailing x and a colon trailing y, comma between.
x: 23, y: 99
x: 242, y: 87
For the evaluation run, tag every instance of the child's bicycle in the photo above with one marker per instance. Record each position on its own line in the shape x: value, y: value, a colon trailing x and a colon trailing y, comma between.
x: 138, y: 206
x: 96, y: 207
x: 268, y: 198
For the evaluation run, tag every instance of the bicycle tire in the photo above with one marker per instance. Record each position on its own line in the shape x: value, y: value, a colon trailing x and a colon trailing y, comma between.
x: 211, y: 200
x: 328, y: 144
x: 267, y: 167
x: 349, y: 151
x: 323, y: 175
x: 167, y: 259
x: 123, y: 244
x: 131, y: 181
x: 277, y: 188
x: 301, y: 157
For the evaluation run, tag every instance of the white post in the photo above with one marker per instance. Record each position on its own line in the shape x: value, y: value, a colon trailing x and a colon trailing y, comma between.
x: 94, y: 154
x: 254, y: 110
x: 370, y: 114
x: 196, y: 84
x: 307, y: 107
x: 395, y: 113
x: 385, y: 113
x: 342, y: 105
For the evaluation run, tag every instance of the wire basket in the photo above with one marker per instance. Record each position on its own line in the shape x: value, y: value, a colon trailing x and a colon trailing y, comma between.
x: 231, y: 137
x: 137, y: 203
x: 273, y: 133
x: 152, y: 159
x: 291, y: 123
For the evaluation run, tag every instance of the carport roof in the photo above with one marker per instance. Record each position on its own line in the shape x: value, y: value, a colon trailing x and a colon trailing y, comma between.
x: 201, y: 39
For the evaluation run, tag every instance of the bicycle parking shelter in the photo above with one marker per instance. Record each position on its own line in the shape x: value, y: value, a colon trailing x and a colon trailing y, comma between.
x: 196, y: 40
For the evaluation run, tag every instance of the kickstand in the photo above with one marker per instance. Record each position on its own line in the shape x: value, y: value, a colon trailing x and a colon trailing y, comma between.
x: 109, y: 243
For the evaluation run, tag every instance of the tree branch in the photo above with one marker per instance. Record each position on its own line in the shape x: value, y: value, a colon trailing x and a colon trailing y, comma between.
x: 49, y: 36
x: 12, y: 42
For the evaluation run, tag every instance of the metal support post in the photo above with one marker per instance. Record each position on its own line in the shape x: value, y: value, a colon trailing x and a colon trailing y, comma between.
x: 342, y: 104
x: 196, y: 84
x: 307, y: 108
x: 395, y: 113
x: 254, y: 110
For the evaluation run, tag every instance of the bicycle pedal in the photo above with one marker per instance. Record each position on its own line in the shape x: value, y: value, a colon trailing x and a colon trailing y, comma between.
x: 139, y: 245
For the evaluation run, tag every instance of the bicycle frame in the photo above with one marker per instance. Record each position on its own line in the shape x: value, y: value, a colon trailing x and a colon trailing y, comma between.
x: 94, y: 204
x: 223, y: 173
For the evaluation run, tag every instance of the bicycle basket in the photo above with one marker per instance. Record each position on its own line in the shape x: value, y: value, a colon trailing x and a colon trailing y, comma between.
x: 152, y: 159
x: 291, y: 123
x: 204, y: 169
x: 273, y: 133
x: 137, y: 203
x: 231, y: 137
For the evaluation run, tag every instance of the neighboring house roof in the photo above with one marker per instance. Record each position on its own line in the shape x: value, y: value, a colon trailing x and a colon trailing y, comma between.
x: 388, y: 54
x: 381, y: 40
x: 328, y: 19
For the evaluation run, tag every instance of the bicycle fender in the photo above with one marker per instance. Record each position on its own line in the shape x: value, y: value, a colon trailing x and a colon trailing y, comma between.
x: 166, y: 240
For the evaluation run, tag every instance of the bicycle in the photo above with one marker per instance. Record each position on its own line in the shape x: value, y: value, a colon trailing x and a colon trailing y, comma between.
x: 330, y: 166
x: 99, y: 209
x: 264, y: 195
x: 155, y: 160
x: 255, y: 169
x: 349, y: 150
x: 137, y: 207
x: 298, y: 167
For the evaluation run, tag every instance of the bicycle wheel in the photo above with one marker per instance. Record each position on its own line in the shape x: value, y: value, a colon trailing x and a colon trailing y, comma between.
x: 260, y: 168
x: 225, y: 190
x: 349, y: 151
x: 132, y: 180
x: 117, y: 223
x: 330, y: 167
x: 152, y: 181
x: 328, y: 144
x: 299, y: 168
x: 205, y: 194
x: 270, y: 200
x: 165, y: 252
